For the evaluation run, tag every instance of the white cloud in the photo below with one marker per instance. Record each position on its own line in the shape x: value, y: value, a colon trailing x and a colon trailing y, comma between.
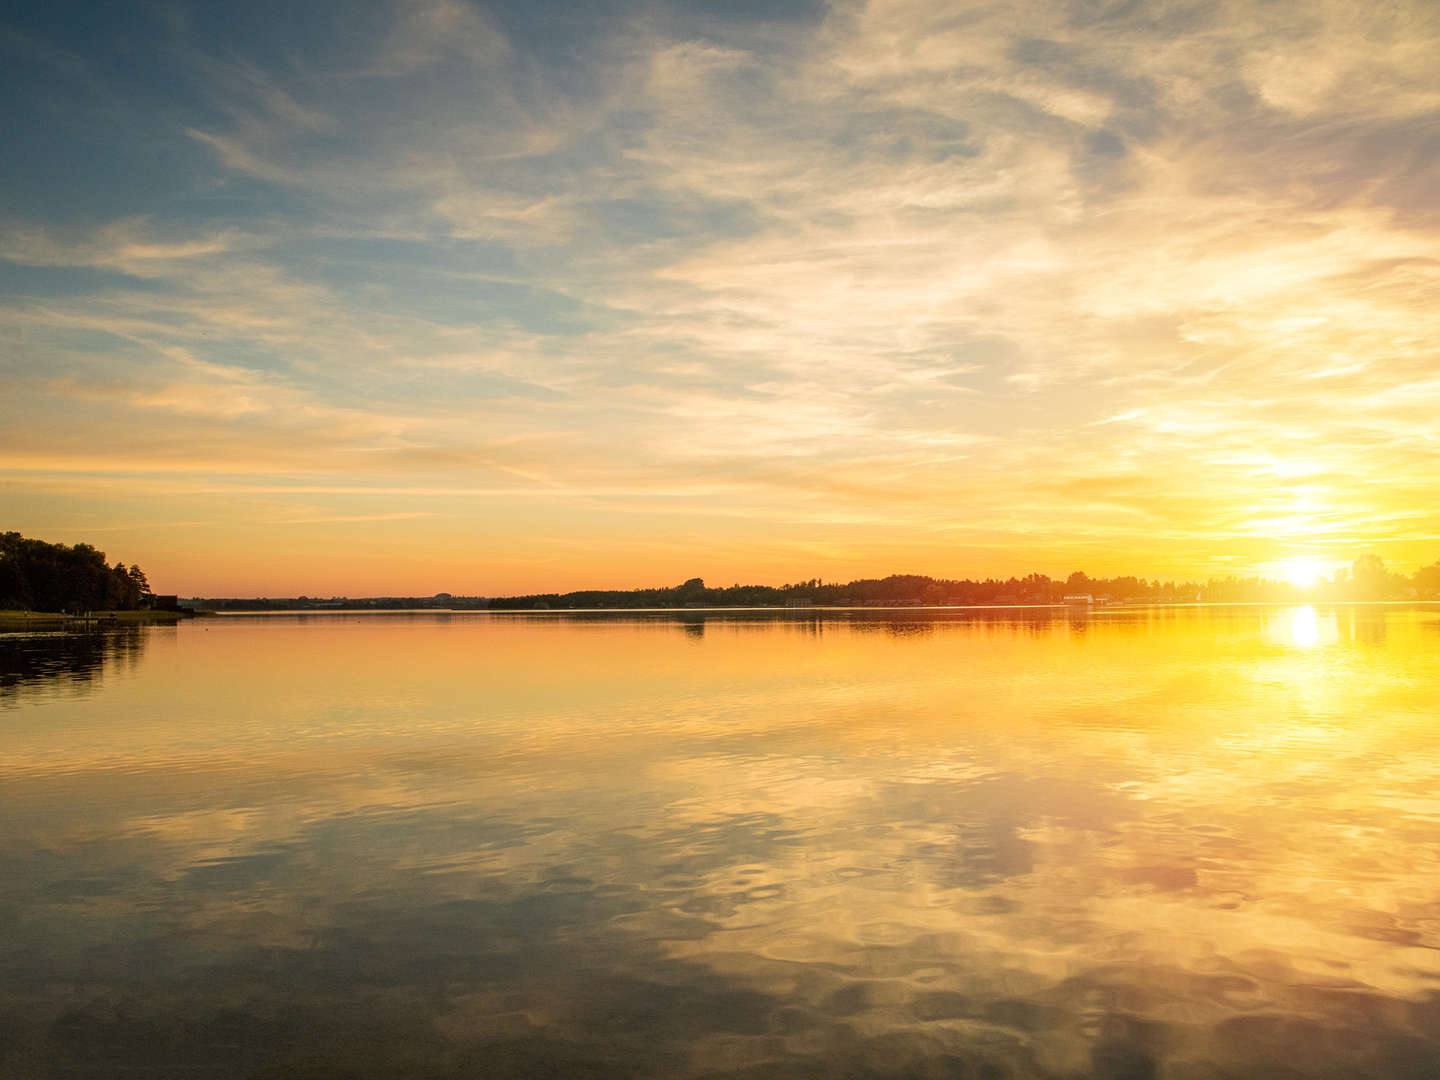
x: 959, y: 270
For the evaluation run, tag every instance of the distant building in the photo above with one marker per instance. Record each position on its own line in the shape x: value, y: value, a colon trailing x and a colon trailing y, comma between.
x: 165, y: 602
x: 1079, y: 599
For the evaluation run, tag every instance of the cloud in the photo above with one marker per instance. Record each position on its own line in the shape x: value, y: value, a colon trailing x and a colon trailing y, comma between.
x: 871, y: 262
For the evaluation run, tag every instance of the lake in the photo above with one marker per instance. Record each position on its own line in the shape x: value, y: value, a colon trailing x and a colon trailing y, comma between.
x: 1189, y: 843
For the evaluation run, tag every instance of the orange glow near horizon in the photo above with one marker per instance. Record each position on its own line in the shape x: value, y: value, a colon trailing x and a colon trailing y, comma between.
x: 559, y: 543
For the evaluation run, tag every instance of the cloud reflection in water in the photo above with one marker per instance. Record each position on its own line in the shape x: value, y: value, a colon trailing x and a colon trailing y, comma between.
x: 447, y: 847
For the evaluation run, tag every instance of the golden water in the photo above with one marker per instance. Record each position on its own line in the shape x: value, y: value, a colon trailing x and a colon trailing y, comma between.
x: 1198, y: 843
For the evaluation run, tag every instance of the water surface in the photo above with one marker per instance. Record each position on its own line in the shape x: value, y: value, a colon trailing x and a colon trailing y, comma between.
x: 1181, y: 843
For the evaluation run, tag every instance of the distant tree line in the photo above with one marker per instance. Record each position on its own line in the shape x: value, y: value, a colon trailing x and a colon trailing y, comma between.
x: 897, y: 589
x: 36, y: 576
x: 1366, y: 579
x: 438, y: 602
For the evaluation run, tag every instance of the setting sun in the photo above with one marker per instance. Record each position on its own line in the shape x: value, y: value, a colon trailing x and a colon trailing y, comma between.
x: 1303, y: 573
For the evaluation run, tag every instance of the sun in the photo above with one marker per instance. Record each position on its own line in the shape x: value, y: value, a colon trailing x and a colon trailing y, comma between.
x: 1302, y: 573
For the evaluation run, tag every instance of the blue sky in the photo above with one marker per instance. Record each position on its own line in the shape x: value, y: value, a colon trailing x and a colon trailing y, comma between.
x: 436, y: 295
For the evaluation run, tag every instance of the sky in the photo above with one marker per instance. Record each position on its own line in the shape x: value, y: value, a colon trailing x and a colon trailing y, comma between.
x: 412, y: 296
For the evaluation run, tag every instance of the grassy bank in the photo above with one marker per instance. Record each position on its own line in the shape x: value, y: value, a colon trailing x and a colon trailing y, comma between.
x: 19, y: 621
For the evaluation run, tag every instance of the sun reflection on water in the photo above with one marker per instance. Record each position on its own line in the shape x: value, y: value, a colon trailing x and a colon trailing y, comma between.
x: 1304, y: 628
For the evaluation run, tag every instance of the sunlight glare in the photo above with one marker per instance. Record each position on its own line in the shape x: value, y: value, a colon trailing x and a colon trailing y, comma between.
x: 1304, y: 629
x: 1303, y: 573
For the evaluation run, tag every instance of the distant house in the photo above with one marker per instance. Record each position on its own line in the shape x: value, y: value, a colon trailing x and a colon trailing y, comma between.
x: 165, y: 602
x: 1079, y: 599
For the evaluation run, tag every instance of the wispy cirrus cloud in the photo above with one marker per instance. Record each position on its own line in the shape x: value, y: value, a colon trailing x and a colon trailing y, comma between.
x: 1149, y: 285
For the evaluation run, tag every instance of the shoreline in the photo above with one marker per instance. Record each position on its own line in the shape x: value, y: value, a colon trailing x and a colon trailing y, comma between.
x: 20, y: 622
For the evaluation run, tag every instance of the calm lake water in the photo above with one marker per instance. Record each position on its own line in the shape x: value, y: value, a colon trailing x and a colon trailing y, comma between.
x: 1179, y: 843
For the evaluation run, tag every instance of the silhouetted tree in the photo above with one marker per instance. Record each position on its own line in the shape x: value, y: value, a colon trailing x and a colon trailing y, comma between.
x: 1368, y: 572
x: 1427, y: 580
x: 1370, y: 581
x: 693, y: 591
x: 38, y: 576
